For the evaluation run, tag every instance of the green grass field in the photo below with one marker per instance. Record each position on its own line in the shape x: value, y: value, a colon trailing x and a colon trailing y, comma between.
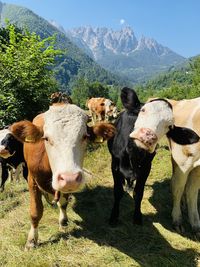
x: 89, y: 240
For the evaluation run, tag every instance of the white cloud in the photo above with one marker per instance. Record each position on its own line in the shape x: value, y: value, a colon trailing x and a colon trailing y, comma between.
x: 122, y: 21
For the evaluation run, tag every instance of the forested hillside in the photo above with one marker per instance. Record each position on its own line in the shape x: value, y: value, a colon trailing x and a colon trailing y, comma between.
x: 74, y: 64
x: 179, y: 83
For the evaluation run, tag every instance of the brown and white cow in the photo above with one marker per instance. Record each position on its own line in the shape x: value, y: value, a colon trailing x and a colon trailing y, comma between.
x: 54, y: 146
x: 101, y: 108
x: 159, y: 117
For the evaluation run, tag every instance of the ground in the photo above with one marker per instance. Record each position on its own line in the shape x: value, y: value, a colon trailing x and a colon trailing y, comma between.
x: 89, y: 240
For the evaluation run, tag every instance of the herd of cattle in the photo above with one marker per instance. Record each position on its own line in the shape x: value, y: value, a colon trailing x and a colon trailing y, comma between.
x: 51, y: 149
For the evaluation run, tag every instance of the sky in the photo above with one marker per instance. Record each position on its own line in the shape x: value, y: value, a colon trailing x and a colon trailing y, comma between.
x: 172, y: 23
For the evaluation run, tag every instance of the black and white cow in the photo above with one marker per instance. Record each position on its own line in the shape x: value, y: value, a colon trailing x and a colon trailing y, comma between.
x: 131, y: 162
x: 11, y: 156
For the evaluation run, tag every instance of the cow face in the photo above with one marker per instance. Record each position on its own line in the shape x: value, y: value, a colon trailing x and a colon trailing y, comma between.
x: 156, y: 119
x: 110, y: 108
x: 8, y: 144
x: 65, y: 135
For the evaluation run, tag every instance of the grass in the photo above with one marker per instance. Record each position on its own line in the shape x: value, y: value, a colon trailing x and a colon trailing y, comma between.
x: 89, y: 241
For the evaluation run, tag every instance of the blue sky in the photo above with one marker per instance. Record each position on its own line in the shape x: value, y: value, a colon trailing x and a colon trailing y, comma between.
x: 173, y: 23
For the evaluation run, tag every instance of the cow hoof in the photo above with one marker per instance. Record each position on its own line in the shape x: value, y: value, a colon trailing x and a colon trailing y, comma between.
x: 30, y: 245
x: 137, y: 219
x: 1, y: 189
x: 113, y: 222
x: 196, y: 232
x: 179, y: 228
x: 64, y: 222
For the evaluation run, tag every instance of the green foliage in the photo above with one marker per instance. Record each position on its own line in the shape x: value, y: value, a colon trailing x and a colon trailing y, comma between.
x: 74, y: 64
x: 84, y: 90
x: 25, y: 72
x: 176, y: 84
x: 8, y: 110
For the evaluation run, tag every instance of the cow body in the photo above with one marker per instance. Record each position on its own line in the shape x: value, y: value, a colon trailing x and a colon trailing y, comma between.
x: 11, y: 156
x: 179, y: 120
x: 54, y: 148
x: 130, y: 164
x: 186, y: 165
x: 101, y: 108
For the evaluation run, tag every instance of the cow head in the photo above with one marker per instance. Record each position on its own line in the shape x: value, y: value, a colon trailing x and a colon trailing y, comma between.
x: 65, y: 134
x: 156, y: 119
x: 8, y: 144
x: 110, y: 108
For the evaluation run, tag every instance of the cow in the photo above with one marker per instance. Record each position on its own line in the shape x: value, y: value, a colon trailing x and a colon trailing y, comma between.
x: 54, y: 146
x: 11, y: 156
x: 101, y: 108
x: 59, y: 97
x: 184, y: 145
x: 132, y: 152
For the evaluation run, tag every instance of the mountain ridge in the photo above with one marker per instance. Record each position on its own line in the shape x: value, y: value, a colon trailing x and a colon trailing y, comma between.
x: 110, y: 47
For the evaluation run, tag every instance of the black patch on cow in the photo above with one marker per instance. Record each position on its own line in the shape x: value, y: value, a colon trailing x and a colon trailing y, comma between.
x: 16, y: 147
x: 129, y: 162
x: 130, y: 99
x: 162, y: 99
x: 183, y: 135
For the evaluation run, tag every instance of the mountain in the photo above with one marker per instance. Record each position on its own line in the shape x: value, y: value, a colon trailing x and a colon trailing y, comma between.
x: 121, y: 52
x: 75, y: 64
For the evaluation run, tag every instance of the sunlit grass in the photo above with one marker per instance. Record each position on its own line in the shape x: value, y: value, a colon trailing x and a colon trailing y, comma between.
x: 89, y: 240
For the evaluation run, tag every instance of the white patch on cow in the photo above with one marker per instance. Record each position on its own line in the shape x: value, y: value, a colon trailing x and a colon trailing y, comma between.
x: 64, y: 129
x: 156, y: 116
x: 63, y: 215
x: 3, y: 134
x: 32, y: 237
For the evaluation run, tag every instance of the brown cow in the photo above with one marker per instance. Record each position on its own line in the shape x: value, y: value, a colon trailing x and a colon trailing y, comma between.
x: 54, y: 146
x: 101, y: 108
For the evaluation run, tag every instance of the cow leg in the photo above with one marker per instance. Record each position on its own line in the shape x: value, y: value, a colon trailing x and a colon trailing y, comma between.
x: 25, y: 171
x: 178, y: 182
x: 192, y: 190
x: 17, y: 172
x: 138, y: 194
x: 118, y: 194
x: 36, y: 212
x: 99, y: 117
x: 4, y: 176
x: 62, y: 204
x: 92, y: 116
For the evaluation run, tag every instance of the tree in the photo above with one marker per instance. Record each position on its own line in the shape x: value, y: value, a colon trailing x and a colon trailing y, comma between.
x: 26, y: 71
x: 84, y: 90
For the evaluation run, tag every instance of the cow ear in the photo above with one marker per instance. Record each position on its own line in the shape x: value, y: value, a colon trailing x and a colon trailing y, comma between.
x: 26, y: 131
x: 101, y: 131
x: 129, y: 99
x: 183, y: 135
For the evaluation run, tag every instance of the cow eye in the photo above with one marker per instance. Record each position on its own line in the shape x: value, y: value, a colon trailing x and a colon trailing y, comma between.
x: 85, y: 137
x: 45, y: 138
x: 142, y: 110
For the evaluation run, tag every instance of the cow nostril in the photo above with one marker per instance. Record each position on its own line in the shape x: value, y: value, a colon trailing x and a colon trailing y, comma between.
x: 79, y: 178
x: 60, y: 178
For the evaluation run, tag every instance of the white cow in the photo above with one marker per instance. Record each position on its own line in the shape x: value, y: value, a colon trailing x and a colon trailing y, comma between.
x: 159, y: 117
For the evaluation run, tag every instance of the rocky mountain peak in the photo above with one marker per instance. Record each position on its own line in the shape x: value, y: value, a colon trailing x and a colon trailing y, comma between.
x: 152, y: 45
x: 104, y: 39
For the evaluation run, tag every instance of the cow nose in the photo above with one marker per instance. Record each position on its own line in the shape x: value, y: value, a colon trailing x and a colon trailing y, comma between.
x: 68, y: 182
x: 146, y: 136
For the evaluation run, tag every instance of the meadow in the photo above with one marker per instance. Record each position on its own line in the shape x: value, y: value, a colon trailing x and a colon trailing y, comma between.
x: 88, y: 239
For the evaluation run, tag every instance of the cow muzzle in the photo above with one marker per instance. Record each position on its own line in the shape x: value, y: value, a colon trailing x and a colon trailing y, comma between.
x: 68, y: 182
x: 145, y: 138
x: 4, y: 153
